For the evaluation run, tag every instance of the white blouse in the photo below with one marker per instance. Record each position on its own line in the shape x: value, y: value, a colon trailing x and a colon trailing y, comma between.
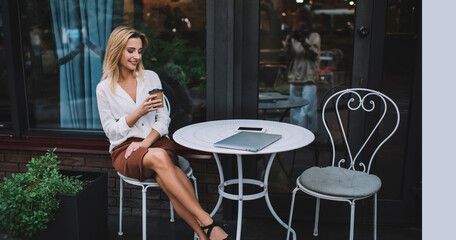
x: 113, y: 108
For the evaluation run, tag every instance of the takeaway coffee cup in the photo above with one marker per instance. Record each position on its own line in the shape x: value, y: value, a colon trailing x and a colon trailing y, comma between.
x: 159, y: 93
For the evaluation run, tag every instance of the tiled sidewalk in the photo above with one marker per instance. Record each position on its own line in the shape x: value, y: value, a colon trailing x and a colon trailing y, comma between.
x: 256, y: 229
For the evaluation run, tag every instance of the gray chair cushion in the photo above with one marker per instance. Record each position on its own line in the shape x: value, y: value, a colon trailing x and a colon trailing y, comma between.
x: 340, y: 182
x: 184, y: 164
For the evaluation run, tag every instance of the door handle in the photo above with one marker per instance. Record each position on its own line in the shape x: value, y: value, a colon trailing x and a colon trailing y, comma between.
x: 361, y: 80
x: 363, y: 31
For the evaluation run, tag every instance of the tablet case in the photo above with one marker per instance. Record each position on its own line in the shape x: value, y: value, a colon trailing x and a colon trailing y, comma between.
x: 248, y: 141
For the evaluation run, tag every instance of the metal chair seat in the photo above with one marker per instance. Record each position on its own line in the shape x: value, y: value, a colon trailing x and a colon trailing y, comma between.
x: 151, y: 182
x: 339, y: 182
x: 184, y: 165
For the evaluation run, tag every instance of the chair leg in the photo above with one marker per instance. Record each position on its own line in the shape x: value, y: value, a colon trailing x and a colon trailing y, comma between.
x: 317, y: 216
x: 120, y: 233
x: 171, y: 212
x: 195, y: 236
x: 144, y: 216
x: 291, y: 212
x: 195, y: 185
x: 375, y: 216
x: 352, y: 219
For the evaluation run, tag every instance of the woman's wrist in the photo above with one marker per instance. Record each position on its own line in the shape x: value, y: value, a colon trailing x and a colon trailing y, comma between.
x: 132, y: 118
x: 137, y: 113
x: 147, y: 142
x: 151, y: 138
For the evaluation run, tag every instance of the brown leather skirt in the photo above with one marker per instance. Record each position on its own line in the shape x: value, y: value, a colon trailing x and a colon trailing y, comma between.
x: 132, y: 167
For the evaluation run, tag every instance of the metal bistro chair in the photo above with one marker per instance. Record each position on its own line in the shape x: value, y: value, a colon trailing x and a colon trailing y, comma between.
x: 335, y: 182
x: 150, y: 182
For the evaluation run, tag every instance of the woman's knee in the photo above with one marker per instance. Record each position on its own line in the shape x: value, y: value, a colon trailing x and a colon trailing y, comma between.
x: 157, y: 158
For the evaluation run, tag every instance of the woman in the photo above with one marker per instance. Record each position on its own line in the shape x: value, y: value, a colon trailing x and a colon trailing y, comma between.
x: 302, y: 46
x: 137, y: 128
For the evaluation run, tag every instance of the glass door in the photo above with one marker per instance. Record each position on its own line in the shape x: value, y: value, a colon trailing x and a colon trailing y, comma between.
x: 307, y: 51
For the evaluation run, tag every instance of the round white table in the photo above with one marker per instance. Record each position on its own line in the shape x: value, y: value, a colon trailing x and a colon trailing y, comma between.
x: 202, y: 136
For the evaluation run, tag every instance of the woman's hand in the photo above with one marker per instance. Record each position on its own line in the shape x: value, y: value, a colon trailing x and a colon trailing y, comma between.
x: 149, y: 105
x: 135, y: 146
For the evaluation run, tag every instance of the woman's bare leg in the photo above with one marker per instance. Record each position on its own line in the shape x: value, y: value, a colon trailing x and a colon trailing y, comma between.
x: 183, y: 213
x: 158, y: 160
x: 178, y: 187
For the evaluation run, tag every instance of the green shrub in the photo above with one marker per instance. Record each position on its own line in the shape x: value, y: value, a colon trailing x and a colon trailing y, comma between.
x: 161, y: 51
x: 28, y: 201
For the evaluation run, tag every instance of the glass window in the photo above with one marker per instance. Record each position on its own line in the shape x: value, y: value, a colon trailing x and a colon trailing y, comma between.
x: 399, y: 75
x: 306, y: 54
x: 5, y: 103
x: 401, y: 17
x: 64, y: 43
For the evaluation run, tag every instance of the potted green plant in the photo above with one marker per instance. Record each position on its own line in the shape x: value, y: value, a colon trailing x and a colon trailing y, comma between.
x: 48, y: 203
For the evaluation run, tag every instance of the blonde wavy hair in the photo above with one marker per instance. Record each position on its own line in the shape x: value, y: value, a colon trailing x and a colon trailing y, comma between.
x: 114, y: 48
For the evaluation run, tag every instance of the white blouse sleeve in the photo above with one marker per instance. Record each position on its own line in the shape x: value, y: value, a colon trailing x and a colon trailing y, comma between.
x: 162, y: 122
x: 114, y: 128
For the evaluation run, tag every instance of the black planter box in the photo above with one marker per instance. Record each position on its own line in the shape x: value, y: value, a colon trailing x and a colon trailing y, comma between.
x: 81, y: 216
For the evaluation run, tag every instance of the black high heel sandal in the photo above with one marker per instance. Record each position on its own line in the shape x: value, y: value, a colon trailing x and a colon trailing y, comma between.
x: 209, y: 228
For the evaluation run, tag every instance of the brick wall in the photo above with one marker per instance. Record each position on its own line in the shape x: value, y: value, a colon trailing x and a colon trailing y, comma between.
x: 205, y: 170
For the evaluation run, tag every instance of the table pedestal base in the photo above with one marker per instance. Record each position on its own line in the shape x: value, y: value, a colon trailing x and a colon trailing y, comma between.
x: 240, y: 197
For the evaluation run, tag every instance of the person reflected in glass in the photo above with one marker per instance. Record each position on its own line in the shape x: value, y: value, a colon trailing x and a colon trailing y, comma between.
x: 302, y: 48
x: 137, y: 128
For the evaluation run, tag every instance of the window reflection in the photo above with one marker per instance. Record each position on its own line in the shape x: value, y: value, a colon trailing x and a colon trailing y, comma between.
x: 401, y: 17
x: 306, y: 54
x: 177, y: 53
x: 64, y: 44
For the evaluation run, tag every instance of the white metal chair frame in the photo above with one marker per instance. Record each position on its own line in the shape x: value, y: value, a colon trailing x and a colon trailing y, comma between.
x: 150, y: 182
x: 352, y: 104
